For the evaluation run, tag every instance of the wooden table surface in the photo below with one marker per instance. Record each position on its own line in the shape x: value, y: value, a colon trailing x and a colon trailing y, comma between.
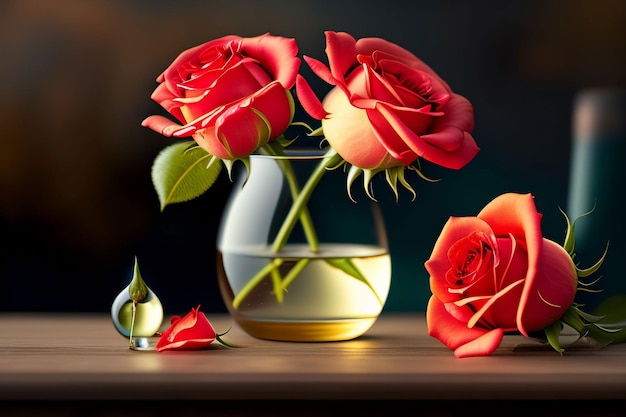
x: 82, y: 357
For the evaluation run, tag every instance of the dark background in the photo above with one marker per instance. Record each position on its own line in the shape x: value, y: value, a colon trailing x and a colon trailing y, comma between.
x: 76, y: 199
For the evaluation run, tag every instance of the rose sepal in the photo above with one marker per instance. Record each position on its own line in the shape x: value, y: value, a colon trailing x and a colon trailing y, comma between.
x: 552, y: 333
x: 596, y: 326
x: 583, y: 273
x: 218, y: 337
x: 570, y: 240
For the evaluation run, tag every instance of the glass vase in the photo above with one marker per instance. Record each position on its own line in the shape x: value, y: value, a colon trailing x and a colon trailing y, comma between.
x: 326, y: 278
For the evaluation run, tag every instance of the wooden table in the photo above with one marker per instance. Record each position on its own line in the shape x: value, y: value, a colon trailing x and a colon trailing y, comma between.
x: 66, y: 358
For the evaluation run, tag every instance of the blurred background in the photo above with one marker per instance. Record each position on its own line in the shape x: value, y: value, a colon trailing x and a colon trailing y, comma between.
x: 76, y: 198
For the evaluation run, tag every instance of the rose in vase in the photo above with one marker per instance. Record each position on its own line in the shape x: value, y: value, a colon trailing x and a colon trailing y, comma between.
x: 387, y: 109
x: 231, y: 96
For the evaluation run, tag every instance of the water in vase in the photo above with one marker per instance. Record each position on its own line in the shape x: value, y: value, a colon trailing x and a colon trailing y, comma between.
x: 319, y: 302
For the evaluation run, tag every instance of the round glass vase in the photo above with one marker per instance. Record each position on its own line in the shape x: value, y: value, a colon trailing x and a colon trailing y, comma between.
x: 325, y: 279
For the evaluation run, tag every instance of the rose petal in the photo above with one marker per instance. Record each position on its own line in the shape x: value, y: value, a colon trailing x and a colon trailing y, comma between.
x: 450, y: 148
x: 369, y: 46
x: 553, y: 290
x: 455, y: 229
x: 309, y: 100
x: 277, y: 54
x: 458, y: 112
x: 341, y: 51
x: 161, y: 124
x: 445, y: 327
x: 517, y: 214
x: 195, y: 344
x: 485, y: 345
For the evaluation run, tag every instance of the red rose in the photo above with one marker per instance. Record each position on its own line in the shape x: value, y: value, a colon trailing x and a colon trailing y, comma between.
x: 193, y: 331
x: 230, y: 94
x: 387, y: 107
x: 495, y: 273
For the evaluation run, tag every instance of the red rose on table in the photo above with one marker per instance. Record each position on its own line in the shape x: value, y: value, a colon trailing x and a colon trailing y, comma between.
x: 495, y: 273
x: 387, y: 107
x: 193, y: 331
x: 230, y: 94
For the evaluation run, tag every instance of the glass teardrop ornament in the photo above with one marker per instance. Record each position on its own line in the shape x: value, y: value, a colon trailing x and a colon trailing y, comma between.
x: 148, y: 313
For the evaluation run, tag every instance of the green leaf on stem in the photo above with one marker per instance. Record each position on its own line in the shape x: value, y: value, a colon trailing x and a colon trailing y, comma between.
x: 612, y: 327
x: 347, y: 266
x: 182, y: 172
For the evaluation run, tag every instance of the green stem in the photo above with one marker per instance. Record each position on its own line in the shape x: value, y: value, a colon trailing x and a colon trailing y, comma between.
x: 294, y: 189
x: 277, y: 285
x: 254, y: 281
x: 299, y: 204
x: 294, y: 272
x: 132, y: 325
x: 299, y: 211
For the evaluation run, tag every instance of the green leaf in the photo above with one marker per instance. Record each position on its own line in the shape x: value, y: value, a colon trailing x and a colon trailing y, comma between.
x: 612, y: 327
x: 347, y: 266
x: 182, y: 172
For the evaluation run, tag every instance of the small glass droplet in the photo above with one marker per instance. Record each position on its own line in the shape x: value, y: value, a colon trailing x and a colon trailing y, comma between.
x: 148, y: 316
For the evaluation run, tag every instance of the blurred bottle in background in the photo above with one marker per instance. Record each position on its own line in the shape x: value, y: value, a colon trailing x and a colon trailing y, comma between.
x: 597, y: 179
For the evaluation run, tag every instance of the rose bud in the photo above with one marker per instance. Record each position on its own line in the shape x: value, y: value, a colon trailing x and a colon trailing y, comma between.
x: 193, y: 331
